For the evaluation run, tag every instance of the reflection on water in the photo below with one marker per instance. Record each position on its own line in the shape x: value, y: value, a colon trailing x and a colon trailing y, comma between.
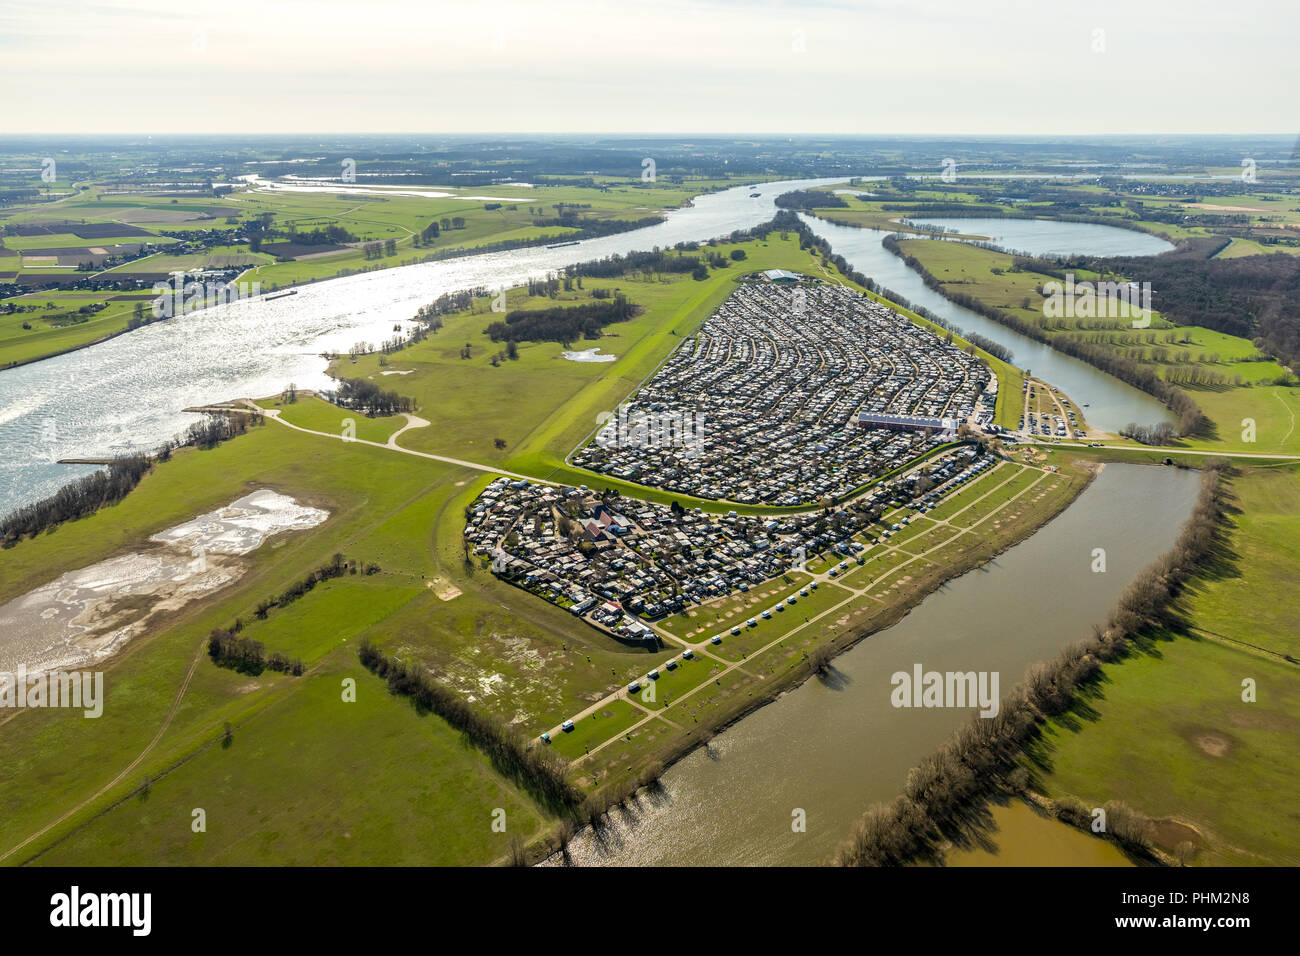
x: 831, y: 748
x: 128, y: 392
x: 1045, y: 237
x: 1113, y: 404
x: 87, y: 614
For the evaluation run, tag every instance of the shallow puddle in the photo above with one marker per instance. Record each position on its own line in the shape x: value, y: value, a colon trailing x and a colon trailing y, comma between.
x: 85, y: 615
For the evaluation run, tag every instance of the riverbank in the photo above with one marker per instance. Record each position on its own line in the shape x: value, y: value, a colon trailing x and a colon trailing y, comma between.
x: 1196, y: 728
x: 1189, y: 414
x: 128, y: 389
x: 788, y: 661
x: 1228, y: 377
x: 947, y: 793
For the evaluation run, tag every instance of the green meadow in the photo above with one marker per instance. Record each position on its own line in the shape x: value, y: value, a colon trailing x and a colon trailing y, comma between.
x: 369, y: 217
x: 543, y: 406
x: 497, y: 645
x: 1246, y: 391
x: 122, y: 788
x: 1167, y: 729
x: 316, y: 414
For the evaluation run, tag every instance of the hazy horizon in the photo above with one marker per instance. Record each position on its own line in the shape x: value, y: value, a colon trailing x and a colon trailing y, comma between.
x: 668, y: 68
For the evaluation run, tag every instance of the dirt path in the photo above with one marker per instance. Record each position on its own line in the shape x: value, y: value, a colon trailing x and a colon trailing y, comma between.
x: 1289, y: 411
x: 412, y: 422
x: 167, y: 722
x: 702, y: 647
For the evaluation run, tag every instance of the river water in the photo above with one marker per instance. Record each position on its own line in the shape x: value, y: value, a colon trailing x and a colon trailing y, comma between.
x: 833, y: 747
x: 1045, y: 237
x: 127, y: 393
x: 1113, y: 404
x: 827, y: 748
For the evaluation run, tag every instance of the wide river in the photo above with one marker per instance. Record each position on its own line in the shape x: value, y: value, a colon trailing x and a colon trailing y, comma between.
x: 832, y: 747
x: 127, y: 393
x: 829, y: 748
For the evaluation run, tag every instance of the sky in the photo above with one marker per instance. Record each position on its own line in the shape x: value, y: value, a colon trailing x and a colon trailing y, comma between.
x: 665, y: 66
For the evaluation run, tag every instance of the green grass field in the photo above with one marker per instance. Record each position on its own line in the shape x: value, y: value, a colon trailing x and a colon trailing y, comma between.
x: 1246, y: 393
x: 1167, y: 731
x: 314, y: 781
x: 516, y: 657
x: 315, y: 413
x: 371, y: 218
x: 564, y: 398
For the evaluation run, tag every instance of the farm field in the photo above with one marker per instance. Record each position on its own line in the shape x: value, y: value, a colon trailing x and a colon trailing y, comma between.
x: 208, y: 234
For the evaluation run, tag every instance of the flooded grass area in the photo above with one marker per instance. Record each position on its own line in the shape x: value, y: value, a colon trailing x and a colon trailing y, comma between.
x: 86, y: 615
x: 1020, y: 835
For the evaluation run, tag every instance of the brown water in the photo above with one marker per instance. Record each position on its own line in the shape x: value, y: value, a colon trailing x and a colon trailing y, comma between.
x: 833, y: 747
x: 1021, y: 836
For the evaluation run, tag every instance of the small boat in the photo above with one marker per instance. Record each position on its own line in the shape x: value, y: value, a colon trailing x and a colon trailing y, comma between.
x: 279, y: 295
x: 754, y: 195
x: 561, y: 245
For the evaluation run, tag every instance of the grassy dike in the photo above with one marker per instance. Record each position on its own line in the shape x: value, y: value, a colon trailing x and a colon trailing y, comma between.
x: 305, y: 777
x: 1240, y: 382
x: 1142, y: 719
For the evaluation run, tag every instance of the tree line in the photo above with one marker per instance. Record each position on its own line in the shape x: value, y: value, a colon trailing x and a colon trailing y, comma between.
x: 247, y: 656
x: 986, y: 756
x: 996, y: 349
x: 588, y: 228
x: 1190, y: 417
x: 807, y: 199
x: 88, y: 494
x: 542, y: 773
x: 368, y: 398
x: 337, y: 568
x: 1252, y: 297
x: 563, y: 324
x: 653, y: 262
x: 84, y: 496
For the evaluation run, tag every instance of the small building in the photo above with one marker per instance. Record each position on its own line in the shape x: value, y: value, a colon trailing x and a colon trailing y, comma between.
x: 781, y: 275
x: 909, y: 423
